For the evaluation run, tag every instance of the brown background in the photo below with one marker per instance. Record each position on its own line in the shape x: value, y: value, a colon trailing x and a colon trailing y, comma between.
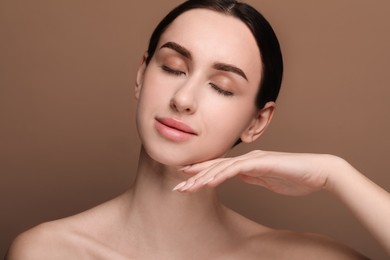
x: 68, y: 139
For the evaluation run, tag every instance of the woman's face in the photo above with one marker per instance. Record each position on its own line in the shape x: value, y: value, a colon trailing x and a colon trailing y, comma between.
x: 196, y: 97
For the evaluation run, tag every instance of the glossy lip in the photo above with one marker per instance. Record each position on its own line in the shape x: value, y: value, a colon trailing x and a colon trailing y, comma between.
x: 174, y: 130
x: 176, y: 124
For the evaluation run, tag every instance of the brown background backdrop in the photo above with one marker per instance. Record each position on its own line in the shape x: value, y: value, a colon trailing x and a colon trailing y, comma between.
x: 68, y: 139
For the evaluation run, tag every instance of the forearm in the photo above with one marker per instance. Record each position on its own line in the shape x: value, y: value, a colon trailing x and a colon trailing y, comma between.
x: 367, y: 201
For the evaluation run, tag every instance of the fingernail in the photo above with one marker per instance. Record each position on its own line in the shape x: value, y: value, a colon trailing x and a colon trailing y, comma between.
x: 180, y: 185
x: 187, y: 186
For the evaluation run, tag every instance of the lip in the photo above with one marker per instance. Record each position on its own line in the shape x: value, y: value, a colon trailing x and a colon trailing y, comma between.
x: 173, y: 129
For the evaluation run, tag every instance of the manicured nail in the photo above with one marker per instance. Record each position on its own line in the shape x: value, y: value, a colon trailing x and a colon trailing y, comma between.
x: 187, y: 186
x: 180, y: 185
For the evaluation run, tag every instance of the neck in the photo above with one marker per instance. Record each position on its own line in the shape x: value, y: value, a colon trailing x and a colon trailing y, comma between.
x: 163, y: 216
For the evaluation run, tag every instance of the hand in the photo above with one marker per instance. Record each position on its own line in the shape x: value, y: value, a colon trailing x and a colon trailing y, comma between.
x: 283, y: 173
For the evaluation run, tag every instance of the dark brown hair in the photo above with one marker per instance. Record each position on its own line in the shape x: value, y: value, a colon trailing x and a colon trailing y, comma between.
x: 271, y: 56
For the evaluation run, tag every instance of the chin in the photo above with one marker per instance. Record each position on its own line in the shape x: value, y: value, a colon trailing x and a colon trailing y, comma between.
x: 172, y: 157
x: 181, y: 155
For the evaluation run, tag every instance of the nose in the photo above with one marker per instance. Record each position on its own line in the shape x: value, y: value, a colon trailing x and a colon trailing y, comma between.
x: 184, y: 99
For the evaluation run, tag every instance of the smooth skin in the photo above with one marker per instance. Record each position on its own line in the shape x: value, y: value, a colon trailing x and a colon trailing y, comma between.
x: 301, y: 174
x: 150, y: 221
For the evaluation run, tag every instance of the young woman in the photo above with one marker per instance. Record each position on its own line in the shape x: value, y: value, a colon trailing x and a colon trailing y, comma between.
x: 208, y: 80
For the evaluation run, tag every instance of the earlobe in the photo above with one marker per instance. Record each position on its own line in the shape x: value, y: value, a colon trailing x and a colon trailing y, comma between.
x: 259, y: 123
x: 140, y: 76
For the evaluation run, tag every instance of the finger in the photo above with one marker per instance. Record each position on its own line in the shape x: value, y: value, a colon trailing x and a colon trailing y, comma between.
x: 197, y: 167
x: 226, y: 173
x: 205, y: 176
x: 242, y: 167
x: 253, y: 180
x: 218, y: 174
x: 214, y: 172
x: 185, y: 185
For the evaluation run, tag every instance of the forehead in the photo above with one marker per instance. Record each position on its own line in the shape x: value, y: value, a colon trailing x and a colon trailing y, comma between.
x: 216, y: 37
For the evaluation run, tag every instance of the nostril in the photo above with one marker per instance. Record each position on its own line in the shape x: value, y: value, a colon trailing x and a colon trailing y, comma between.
x: 182, y: 104
x: 173, y: 105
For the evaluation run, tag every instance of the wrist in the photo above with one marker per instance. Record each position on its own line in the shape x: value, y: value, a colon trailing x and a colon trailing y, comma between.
x: 338, y: 171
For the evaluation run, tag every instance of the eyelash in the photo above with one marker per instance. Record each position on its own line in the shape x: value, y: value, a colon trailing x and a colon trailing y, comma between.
x: 221, y: 91
x: 213, y: 86
x: 172, y: 71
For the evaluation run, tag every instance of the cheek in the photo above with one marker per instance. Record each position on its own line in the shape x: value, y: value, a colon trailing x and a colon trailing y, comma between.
x: 155, y: 90
x: 226, y: 123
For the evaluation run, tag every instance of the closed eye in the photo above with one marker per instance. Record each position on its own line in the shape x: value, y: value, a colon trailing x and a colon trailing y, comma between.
x: 172, y: 71
x: 221, y: 91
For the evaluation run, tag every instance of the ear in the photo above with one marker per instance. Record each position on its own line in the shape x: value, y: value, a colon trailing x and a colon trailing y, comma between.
x: 259, y: 123
x: 140, y: 76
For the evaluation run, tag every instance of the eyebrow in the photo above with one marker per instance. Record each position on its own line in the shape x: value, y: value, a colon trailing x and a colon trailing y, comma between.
x: 230, y: 68
x: 218, y: 66
x: 178, y: 48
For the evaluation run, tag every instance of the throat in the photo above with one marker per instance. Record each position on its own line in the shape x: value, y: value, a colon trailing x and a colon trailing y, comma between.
x: 163, y: 216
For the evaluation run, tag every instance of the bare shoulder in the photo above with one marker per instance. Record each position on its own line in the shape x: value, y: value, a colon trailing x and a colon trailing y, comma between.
x: 81, y: 236
x: 256, y: 241
x: 45, y: 241
x: 282, y: 244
